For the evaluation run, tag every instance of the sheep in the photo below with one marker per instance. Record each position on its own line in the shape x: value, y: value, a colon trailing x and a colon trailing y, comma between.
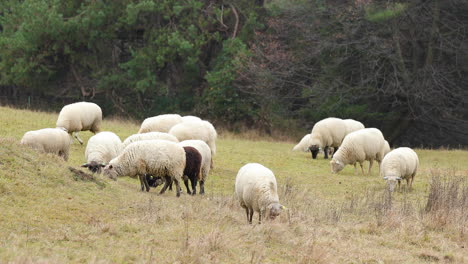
x: 190, y: 118
x: 193, y: 161
x: 352, y: 125
x: 205, y: 152
x: 101, y: 148
x: 202, y: 130
x: 80, y: 116
x: 155, y: 157
x: 400, y: 163
x: 257, y: 191
x: 49, y: 140
x: 303, y: 145
x: 358, y: 146
x: 326, y: 133
x: 160, y: 123
x: 149, y: 136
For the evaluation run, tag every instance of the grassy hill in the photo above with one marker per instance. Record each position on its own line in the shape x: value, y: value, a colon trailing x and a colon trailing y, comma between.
x: 51, y: 215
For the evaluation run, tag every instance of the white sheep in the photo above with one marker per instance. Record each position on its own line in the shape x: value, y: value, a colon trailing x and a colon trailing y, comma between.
x: 100, y: 149
x: 352, y: 125
x: 154, y: 157
x: 398, y: 164
x: 80, y: 116
x: 202, y: 130
x: 303, y: 145
x: 358, y: 146
x: 149, y: 136
x: 326, y: 133
x: 256, y: 190
x: 190, y: 118
x: 49, y: 140
x: 205, y: 152
x: 160, y: 123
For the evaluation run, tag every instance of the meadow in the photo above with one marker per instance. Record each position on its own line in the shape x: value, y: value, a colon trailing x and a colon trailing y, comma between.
x: 50, y: 215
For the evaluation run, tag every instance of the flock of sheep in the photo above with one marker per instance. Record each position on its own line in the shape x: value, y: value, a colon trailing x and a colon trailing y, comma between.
x: 170, y: 148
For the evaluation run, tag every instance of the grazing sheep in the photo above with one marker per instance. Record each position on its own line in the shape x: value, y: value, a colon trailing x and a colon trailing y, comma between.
x: 400, y: 163
x: 205, y: 152
x: 190, y: 118
x: 257, y: 191
x: 352, y: 125
x: 303, y: 145
x: 80, y: 116
x: 49, y: 140
x: 154, y: 157
x: 358, y: 146
x: 202, y: 130
x: 101, y: 148
x: 160, y: 123
x: 149, y: 136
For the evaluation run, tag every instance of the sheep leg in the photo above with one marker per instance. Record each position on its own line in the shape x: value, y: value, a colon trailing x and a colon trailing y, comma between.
x: 355, y: 168
x: 177, y: 187
x: 145, y: 181
x: 370, y: 166
x: 250, y: 215
x: 362, y: 168
x: 166, y: 184
x: 141, y: 182
x: 411, y: 182
x: 247, y: 213
x: 325, y: 152
x: 260, y: 217
x: 186, y: 186
x: 194, y: 186
x: 75, y: 134
x: 202, y: 187
x: 334, y: 151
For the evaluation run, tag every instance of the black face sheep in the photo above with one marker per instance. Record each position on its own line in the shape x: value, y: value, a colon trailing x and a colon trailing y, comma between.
x: 154, y: 157
x: 80, y: 116
x: 100, y: 149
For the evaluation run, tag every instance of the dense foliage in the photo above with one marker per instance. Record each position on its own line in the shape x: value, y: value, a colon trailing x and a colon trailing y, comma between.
x: 275, y: 66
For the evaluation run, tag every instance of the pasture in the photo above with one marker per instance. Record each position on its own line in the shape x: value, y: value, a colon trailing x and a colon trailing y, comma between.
x: 51, y: 215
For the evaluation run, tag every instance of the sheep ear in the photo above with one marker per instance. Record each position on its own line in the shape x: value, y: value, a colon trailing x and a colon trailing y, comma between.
x: 102, y: 165
x: 385, y: 178
x: 85, y: 165
x: 110, y: 167
x: 399, y: 178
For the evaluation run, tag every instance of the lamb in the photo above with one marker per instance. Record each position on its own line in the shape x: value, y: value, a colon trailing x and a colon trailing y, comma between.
x: 205, y: 152
x: 202, y: 130
x: 49, y: 140
x: 358, y: 146
x: 155, y: 157
x: 257, y: 191
x: 101, y: 148
x: 149, y: 136
x: 80, y: 116
x: 303, y: 145
x: 400, y: 163
x: 160, y: 123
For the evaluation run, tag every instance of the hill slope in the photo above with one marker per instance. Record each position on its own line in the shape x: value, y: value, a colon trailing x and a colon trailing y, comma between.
x: 49, y: 214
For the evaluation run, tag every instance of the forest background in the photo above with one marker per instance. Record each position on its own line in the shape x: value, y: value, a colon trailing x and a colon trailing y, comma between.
x: 275, y: 66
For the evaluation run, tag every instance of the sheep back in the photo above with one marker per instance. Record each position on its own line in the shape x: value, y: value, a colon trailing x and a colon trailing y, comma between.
x: 49, y: 140
x: 205, y: 153
x: 352, y: 125
x: 160, y: 123
x: 196, y: 130
x: 193, y: 161
x: 328, y: 132
x: 303, y: 145
x: 401, y: 162
x: 149, y: 136
x: 80, y: 116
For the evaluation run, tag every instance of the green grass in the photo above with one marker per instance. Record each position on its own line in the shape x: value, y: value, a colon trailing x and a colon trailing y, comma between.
x: 49, y: 216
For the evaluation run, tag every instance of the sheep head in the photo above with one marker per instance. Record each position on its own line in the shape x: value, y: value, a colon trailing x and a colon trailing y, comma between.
x: 392, y: 181
x: 336, y: 166
x: 274, y: 210
x: 94, y: 167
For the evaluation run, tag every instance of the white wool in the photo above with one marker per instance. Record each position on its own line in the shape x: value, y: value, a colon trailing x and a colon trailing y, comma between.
x: 80, y: 116
x: 256, y: 187
x: 386, y: 148
x: 352, y: 125
x: 190, y: 118
x: 303, y: 145
x: 160, y: 123
x: 201, y: 130
x: 103, y: 147
x: 205, y: 152
x: 400, y: 163
x: 358, y: 146
x: 50, y: 140
x: 155, y: 157
x: 328, y: 132
x: 149, y: 136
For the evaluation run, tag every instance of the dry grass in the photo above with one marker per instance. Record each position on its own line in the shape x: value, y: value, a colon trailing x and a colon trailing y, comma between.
x: 53, y: 215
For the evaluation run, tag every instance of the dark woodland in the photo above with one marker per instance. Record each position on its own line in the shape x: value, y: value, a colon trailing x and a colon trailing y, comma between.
x: 275, y: 66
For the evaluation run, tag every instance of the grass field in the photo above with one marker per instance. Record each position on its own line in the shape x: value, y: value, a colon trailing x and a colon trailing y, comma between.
x: 48, y: 215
